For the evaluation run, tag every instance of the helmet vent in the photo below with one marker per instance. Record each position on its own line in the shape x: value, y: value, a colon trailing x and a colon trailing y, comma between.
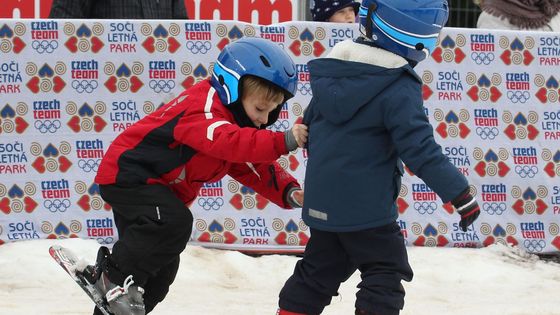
x: 419, y: 46
x: 265, y: 61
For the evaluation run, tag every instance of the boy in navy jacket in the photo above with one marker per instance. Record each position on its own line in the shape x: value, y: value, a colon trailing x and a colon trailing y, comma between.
x: 366, y: 115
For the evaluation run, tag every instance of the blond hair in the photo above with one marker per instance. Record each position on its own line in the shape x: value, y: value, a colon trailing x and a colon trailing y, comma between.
x: 255, y: 85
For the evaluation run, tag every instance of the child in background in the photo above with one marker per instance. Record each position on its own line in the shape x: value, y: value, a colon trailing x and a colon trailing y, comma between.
x: 366, y: 115
x: 153, y: 170
x: 335, y: 11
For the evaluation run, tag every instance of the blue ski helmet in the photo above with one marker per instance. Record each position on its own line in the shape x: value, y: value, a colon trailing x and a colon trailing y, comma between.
x: 408, y: 28
x: 252, y: 56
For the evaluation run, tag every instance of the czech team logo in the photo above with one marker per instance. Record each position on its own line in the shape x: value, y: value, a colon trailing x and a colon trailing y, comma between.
x: 124, y: 78
x: 61, y: 230
x: 518, y: 86
x: 303, y: 83
x: 10, y: 40
x: 491, y: 164
x: 12, y: 120
x: 290, y: 233
x: 84, y: 38
x: 162, y: 76
x: 89, y: 154
x: 274, y: 34
x: 211, y: 196
x: 552, y: 166
x: 529, y: 201
x: 45, y: 36
x: 548, y: 91
x: 521, y: 126
x: 484, y: 88
x: 483, y: 48
x: 493, y: 198
x: 160, y: 39
x: 199, y: 36
x: 17, y: 200
x: 85, y: 117
x: 516, y: 51
x: 216, y: 232
x: 47, y: 116
x: 305, y: 42
x: 450, y: 50
x: 486, y: 122
x: 56, y: 195
x: 51, y: 158
x: 46, y: 78
x: 451, y: 124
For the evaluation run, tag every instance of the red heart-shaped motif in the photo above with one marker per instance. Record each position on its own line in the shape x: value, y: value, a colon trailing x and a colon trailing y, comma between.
x: 542, y: 95
x: 506, y: 57
x: 459, y: 55
x: 30, y: 204
x: 527, y: 57
x: 480, y: 168
x: 518, y: 206
x: 39, y: 164
x: 72, y: 44
x: 318, y: 49
x: 464, y: 130
x: 473, y: 93
x: 541, y: 206
x: 303, y: 239
x: 52, y: 237
x: 111, y: 84
x: 295, y: 47
x: 84, y: 203
x: 503, y: 169
x: 436, y: 55
x: 18, y: 45
x: 173, y: 44
x: 96, y: 44
x: 511, y: 240
x: 549, y: 169
x: 442, y: 130
x: 280, y: 239
x: 148, y: 44
x: 59, y: 84
x: 294, y: 163
x: 448, y: 207
x: 488, y: 241
x: 402, y: 205
x: 408, y: 171
x: 420, y: 241
x: 21, y: 124
x: 261, y: 202
x: 441, y: 241
x: 2, y: 242
x: 64, y: 163
x: 135, y: 84
x: 107, y: 206
x: 556, y: 242
x: 98, y: 123
x: 33, y: 84
x: 223, y: 43
x: 5, y: 205
x: 204, y: 237
x: 532, y: 132
x: 426, y: 92
x: 236, y: 201
x: 188, y: 82
x: 229, y: 238
x: 510, y: 131
x: 495, y: 94
x: 74, y: 123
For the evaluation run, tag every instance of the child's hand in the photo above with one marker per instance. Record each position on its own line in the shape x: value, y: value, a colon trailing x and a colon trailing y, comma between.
x: 300, y: 134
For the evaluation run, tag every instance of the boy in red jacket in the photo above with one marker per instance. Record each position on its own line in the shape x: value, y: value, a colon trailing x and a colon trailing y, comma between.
x: 155, y: 168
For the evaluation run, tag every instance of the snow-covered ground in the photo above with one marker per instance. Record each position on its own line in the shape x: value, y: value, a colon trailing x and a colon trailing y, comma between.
x: 494, y: 280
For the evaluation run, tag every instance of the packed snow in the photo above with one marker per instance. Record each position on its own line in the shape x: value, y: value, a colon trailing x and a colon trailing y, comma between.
x: 494, y: 280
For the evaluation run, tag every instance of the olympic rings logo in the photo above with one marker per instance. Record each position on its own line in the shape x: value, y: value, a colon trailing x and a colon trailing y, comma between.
x: 84, y: 86
x: 211, y: 203
x: 494, y: 208
x: 44, y: 46
x: 518, y: 96
x: 199, y: 47
x: 89, y: 165
x: 534, y: 245
x: 304, y: 88
x: 107, y: 240
x: 482, y: 58
x: 487, y: 133
x: 281, y: 125
x: 425, y: 207
x: 49, y: 126
x: 162, y: 85
x: 57, y: 205
x: 526, y: 171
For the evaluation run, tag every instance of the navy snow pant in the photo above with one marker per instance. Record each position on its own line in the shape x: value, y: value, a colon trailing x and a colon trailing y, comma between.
x: 154, y: 227
x: 331, y: 258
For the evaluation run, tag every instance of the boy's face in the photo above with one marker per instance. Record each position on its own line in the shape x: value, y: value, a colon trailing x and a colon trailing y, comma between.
x: 344, y: 15
x: 257, y: 108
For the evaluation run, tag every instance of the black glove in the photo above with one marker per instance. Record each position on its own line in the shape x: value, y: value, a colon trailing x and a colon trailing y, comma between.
x: 467, y: 207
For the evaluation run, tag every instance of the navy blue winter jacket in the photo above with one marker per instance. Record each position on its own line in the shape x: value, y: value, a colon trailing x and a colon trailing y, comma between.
x: 363, y: 120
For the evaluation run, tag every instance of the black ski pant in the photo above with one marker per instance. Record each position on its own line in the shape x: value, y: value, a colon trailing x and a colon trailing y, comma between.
x: 154, y: 227
x: 330, y: 258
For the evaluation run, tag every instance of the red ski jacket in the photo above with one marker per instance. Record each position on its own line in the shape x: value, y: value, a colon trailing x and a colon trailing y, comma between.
x: 193, y: 140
